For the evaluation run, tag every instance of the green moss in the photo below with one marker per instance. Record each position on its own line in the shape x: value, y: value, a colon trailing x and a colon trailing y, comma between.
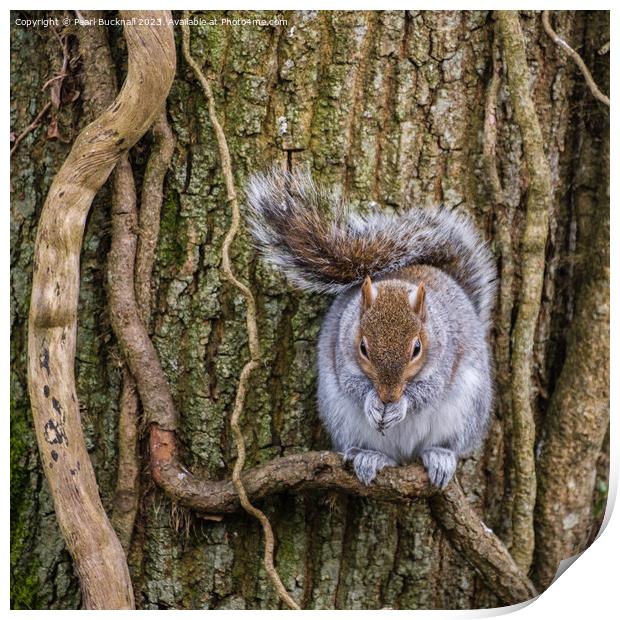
x: 24, y: 589
x: 25, y: 584
x: 172, y: 237
x: 21, y: 440
x: 600, y: 498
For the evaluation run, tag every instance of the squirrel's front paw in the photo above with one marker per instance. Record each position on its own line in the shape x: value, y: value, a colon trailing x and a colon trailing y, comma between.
x: 440, y: 464
x: 374, y: 410
x: 367, y: 463
x: 394, y: 413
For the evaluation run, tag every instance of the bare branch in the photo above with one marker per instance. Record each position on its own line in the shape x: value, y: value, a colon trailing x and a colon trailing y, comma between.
x: 125, y: 223
x: 127, y: 491
x: 477, y: 543
x: 503, y: 230
x: 126, y: 250
x: 55, y: 95
x: 504, y: 240
x: 324, y: 471
x: 298, y: 473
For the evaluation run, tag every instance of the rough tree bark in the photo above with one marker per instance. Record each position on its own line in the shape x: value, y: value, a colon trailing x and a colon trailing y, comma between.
x: 389, y: 106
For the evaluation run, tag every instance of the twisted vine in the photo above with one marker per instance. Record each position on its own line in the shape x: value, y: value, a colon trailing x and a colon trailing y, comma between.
x: 533, y: 245
x: 252, y: 328
x: 98, y: 556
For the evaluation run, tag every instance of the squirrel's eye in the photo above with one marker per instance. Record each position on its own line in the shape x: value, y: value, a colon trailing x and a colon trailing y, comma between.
x: 417, y: 347
x: 363, y: 350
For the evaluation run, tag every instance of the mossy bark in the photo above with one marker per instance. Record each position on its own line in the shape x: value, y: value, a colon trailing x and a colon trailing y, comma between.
x: 387, y: 106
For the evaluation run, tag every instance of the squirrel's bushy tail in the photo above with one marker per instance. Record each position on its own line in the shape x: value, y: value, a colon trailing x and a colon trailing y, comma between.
x: 321, y: 245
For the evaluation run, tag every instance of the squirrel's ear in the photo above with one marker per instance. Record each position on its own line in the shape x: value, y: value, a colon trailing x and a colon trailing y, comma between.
x: 416, y: 299
x: 369, y: 294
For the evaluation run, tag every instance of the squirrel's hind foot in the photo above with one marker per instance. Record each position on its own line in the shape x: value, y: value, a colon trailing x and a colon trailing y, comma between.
x: 367, y: 463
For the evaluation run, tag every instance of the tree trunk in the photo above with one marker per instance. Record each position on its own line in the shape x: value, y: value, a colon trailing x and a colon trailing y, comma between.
x: 389, y: 107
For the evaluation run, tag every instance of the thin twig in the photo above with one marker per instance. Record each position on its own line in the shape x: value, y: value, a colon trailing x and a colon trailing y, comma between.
x: 127, y: 491
x: 64, y: 43
x: 252, y: 328
x: 553, y: 35
x: 35, y: 123
x: 58, y: 87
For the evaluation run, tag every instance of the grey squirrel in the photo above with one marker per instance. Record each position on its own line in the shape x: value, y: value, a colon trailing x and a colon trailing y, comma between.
x: 404, y: 364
